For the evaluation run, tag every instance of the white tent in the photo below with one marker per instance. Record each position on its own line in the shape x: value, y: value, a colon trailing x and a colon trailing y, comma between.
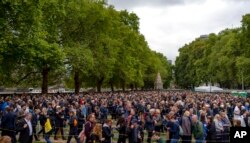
x: 208, y: 89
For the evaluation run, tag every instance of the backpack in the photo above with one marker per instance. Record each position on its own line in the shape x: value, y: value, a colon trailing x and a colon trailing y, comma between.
x: 180, y: 123
x: 180, y: 129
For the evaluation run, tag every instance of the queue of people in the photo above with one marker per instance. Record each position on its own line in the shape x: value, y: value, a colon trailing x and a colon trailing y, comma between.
x: 136, y: 117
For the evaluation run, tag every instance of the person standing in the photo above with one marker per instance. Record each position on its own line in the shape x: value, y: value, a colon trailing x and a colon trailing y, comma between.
x: 107, y: 131
x: 96, y: 135
x: 186, y: 125
x: 134, y: 132
x: 42, y: 119
x: 211, y: 135
x: 173, y: 128
x: 157, y: 120
x: 59, y: 122
x: 73, y: 132
x: 34, y: 122
x: 8, y: 124
x: 237, y: 115
x: 219, y: 128
x: 47, y: 128
x: 121, y: 127
x: 25, y: 129
x: 226, y: 126
x: 197, y: 129
x: 103, y: 113
x: 88, y: 127
x: 81, y: 120
x: 149, y: 125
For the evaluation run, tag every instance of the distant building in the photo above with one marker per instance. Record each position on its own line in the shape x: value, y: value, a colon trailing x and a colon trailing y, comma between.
x: 170, y: 62
x: 204, y: 37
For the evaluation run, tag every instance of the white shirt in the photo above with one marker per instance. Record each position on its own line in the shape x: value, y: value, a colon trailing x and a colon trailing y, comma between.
x: 30, y: 126
x: 238, y: 117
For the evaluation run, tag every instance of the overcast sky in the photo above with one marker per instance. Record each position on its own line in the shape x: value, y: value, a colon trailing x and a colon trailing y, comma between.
x: 168, y: 24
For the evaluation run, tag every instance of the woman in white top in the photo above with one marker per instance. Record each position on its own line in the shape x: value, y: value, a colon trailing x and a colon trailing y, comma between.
x: 237, y: 116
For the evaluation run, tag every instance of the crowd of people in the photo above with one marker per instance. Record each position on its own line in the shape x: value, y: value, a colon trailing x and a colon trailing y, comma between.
x: 136, y: 117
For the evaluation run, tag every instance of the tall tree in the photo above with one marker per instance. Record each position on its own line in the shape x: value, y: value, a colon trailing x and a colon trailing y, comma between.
x: 74, y: 31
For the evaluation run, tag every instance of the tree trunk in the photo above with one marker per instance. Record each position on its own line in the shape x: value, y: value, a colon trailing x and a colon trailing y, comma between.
x: 77, y: 82
x: 123, y: 86
x: 111, y: 86
x: 45, y: 74
x: 99, y: 84
x: 132, y: 87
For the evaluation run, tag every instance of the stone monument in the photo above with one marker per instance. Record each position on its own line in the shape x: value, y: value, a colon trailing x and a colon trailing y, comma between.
x: 158, y: 82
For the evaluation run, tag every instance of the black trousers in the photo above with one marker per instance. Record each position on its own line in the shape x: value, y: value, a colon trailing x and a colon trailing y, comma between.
x: 150, y: 134
x: 34, y: 132
x: 121, y: 140
x: 29, y: 140
x: 61, y: 130
x: 42, y: 131
x: 158, y: 128
x: 186, y: 139
x: 73, y: 133
x: 169, y: 138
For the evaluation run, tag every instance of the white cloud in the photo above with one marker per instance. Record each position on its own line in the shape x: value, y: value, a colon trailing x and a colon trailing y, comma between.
x: 167, y: 28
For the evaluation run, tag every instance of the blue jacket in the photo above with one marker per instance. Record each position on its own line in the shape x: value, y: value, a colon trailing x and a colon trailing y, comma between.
x: 174, y: 129
x: 106, y: 133
x: 4, y: 105
x: 84, y: 111
x: 8, y: 121
x: 149, y: 124
x: 104, y: 112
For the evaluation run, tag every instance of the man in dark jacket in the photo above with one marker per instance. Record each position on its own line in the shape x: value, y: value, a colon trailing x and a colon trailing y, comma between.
x: 25, y: 129
x: 34, y: 122
x: 81, y: 120
x: 133, y: 132
x: 149, y: 125
x: 120, y: 110
x: 73, y: 127
x: 107, y: 132
x: 8, y: 124
x: 122, y: 129
x: 211, y: 135
x: 104, y: 112
x: 42, y: 119
x: 59, y: 122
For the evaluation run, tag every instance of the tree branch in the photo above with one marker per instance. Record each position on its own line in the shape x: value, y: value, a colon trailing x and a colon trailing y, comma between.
x: 23, y: 78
